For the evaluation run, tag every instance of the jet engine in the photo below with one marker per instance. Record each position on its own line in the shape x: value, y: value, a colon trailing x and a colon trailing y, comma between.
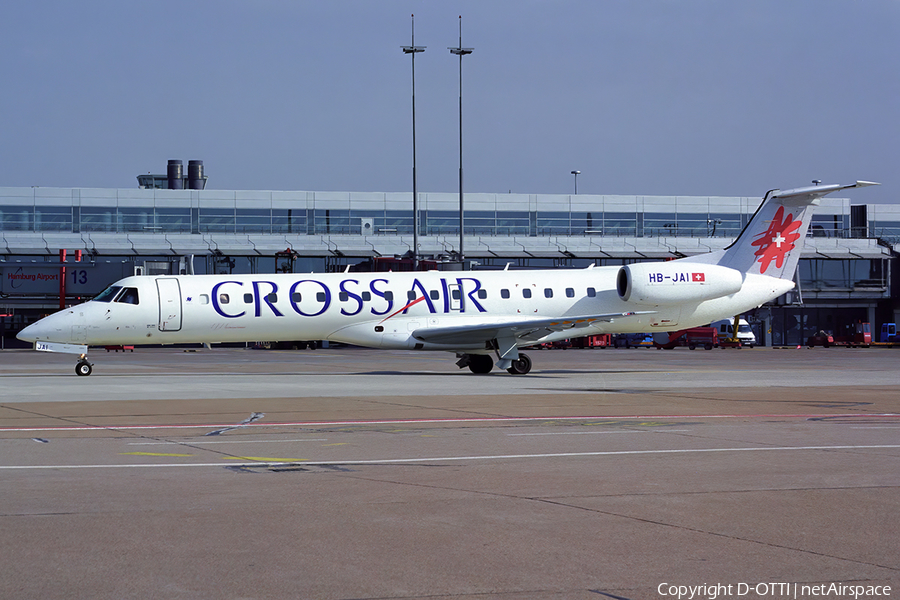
x: 676, y: 282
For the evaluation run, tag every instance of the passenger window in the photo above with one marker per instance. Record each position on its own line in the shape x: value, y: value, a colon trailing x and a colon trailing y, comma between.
x: 435, y: 295
x: 128, y: 296
x: 455, y: 294
x: 482, y: 294
x: 548, y: 293
x: 591, y: 292
x: 366, y: 296
x: 526, y: 293
x: 504, y: 294
x: 295, y: 297
x: 389, y: 296
x: 223, y: 298
x: 248, y: 298
x: 343, y: 297
x: 320, y: 296
x: 272, y: 298
x: 570, y: 292
x: 411, y: 295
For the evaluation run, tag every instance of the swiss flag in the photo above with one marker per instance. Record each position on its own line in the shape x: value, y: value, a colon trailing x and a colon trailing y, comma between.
x: 698, y: 277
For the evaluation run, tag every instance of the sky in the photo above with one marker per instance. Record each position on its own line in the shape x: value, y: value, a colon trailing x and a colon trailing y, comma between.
x: 649, y: 97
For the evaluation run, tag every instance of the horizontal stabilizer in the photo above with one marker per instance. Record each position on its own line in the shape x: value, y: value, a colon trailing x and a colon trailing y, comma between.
x: 817, y: 191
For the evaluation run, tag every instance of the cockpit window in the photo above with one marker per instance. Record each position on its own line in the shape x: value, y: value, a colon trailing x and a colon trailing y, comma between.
x: 108, y: 294
x: 128, y: 296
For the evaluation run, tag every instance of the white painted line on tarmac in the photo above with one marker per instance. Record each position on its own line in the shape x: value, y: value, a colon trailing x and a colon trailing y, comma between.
x: 192, y: 443
x: 574, y: 433
x: 448, y: 421
x: 388, y: 461
x: 599, y: 432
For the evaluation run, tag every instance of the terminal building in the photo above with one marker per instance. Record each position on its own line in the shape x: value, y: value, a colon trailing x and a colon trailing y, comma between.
x: 844, y: 277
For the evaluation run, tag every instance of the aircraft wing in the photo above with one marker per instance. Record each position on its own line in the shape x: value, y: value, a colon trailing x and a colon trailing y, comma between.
x: 524, y: 329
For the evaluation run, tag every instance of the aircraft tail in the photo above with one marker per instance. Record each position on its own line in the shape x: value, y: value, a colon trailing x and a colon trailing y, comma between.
x: 772, y: 241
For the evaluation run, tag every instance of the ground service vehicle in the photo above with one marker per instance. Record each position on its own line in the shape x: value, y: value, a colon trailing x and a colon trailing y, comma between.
x: 693, y: 338
x: 744, y: 334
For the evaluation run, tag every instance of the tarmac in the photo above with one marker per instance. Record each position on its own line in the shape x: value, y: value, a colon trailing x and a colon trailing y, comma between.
x: 361, y: 474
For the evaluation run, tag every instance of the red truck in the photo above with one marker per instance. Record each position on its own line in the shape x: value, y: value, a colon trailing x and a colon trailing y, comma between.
x: 708, y: 337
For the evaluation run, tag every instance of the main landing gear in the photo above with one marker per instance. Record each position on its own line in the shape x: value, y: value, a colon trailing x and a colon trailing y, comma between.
x: 520, y: 366
x: 83, y: 368
x: 483, y: 363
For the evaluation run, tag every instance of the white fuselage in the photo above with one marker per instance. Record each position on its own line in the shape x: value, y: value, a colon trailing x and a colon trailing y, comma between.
x: 379, y: 310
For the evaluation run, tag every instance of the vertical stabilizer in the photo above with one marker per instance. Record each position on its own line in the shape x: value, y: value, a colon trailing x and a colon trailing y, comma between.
x: 772, y: 241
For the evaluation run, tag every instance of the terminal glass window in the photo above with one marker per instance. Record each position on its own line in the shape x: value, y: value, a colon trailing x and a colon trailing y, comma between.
x: 694, y: 225
x: 332, y: 221
x: 586, y: 223
x: 97, y: 219
x: 620, y: 224
x: 660, y: 224
x: 480, y: 223
x: 216, y: 219
x: 438, y: 222
x: 724, y: 225
x: 512, y: 223
x: 819, y: 274
x: 886, y: 230
x: 396, y: 222
x: 174, y: 220
x: 16, y: 218
x: 253, y: 221
x: 553, y: 223
x: 135, y: 219
x: 52, y: 218
x: 290, y: 220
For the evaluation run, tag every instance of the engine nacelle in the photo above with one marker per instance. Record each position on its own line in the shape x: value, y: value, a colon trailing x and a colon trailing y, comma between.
x: 676, y: 282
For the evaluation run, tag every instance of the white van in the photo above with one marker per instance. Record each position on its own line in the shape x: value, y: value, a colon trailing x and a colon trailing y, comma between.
x: 744, y: 334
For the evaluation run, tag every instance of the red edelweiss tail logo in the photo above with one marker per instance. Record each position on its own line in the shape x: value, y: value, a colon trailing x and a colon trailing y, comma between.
x: 776, y: 241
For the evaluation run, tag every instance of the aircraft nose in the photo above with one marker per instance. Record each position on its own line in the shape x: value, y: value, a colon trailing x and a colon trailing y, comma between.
x: 50, y: 328
x: 33, y: 332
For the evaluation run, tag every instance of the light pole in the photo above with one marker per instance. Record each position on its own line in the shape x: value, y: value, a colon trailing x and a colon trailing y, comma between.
x: 576, y: 174
x: 413, y: 50
x: 460, y: 51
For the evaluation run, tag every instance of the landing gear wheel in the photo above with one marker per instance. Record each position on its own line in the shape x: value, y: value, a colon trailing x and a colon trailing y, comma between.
x: 481, y: 363
x: 520, y: 366
x: 83, y: 368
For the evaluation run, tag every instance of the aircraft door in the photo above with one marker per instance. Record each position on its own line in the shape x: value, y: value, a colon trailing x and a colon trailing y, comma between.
x: 169, y: 304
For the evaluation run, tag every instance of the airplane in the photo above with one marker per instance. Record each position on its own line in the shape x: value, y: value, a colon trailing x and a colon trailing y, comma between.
x: 478, y: 316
